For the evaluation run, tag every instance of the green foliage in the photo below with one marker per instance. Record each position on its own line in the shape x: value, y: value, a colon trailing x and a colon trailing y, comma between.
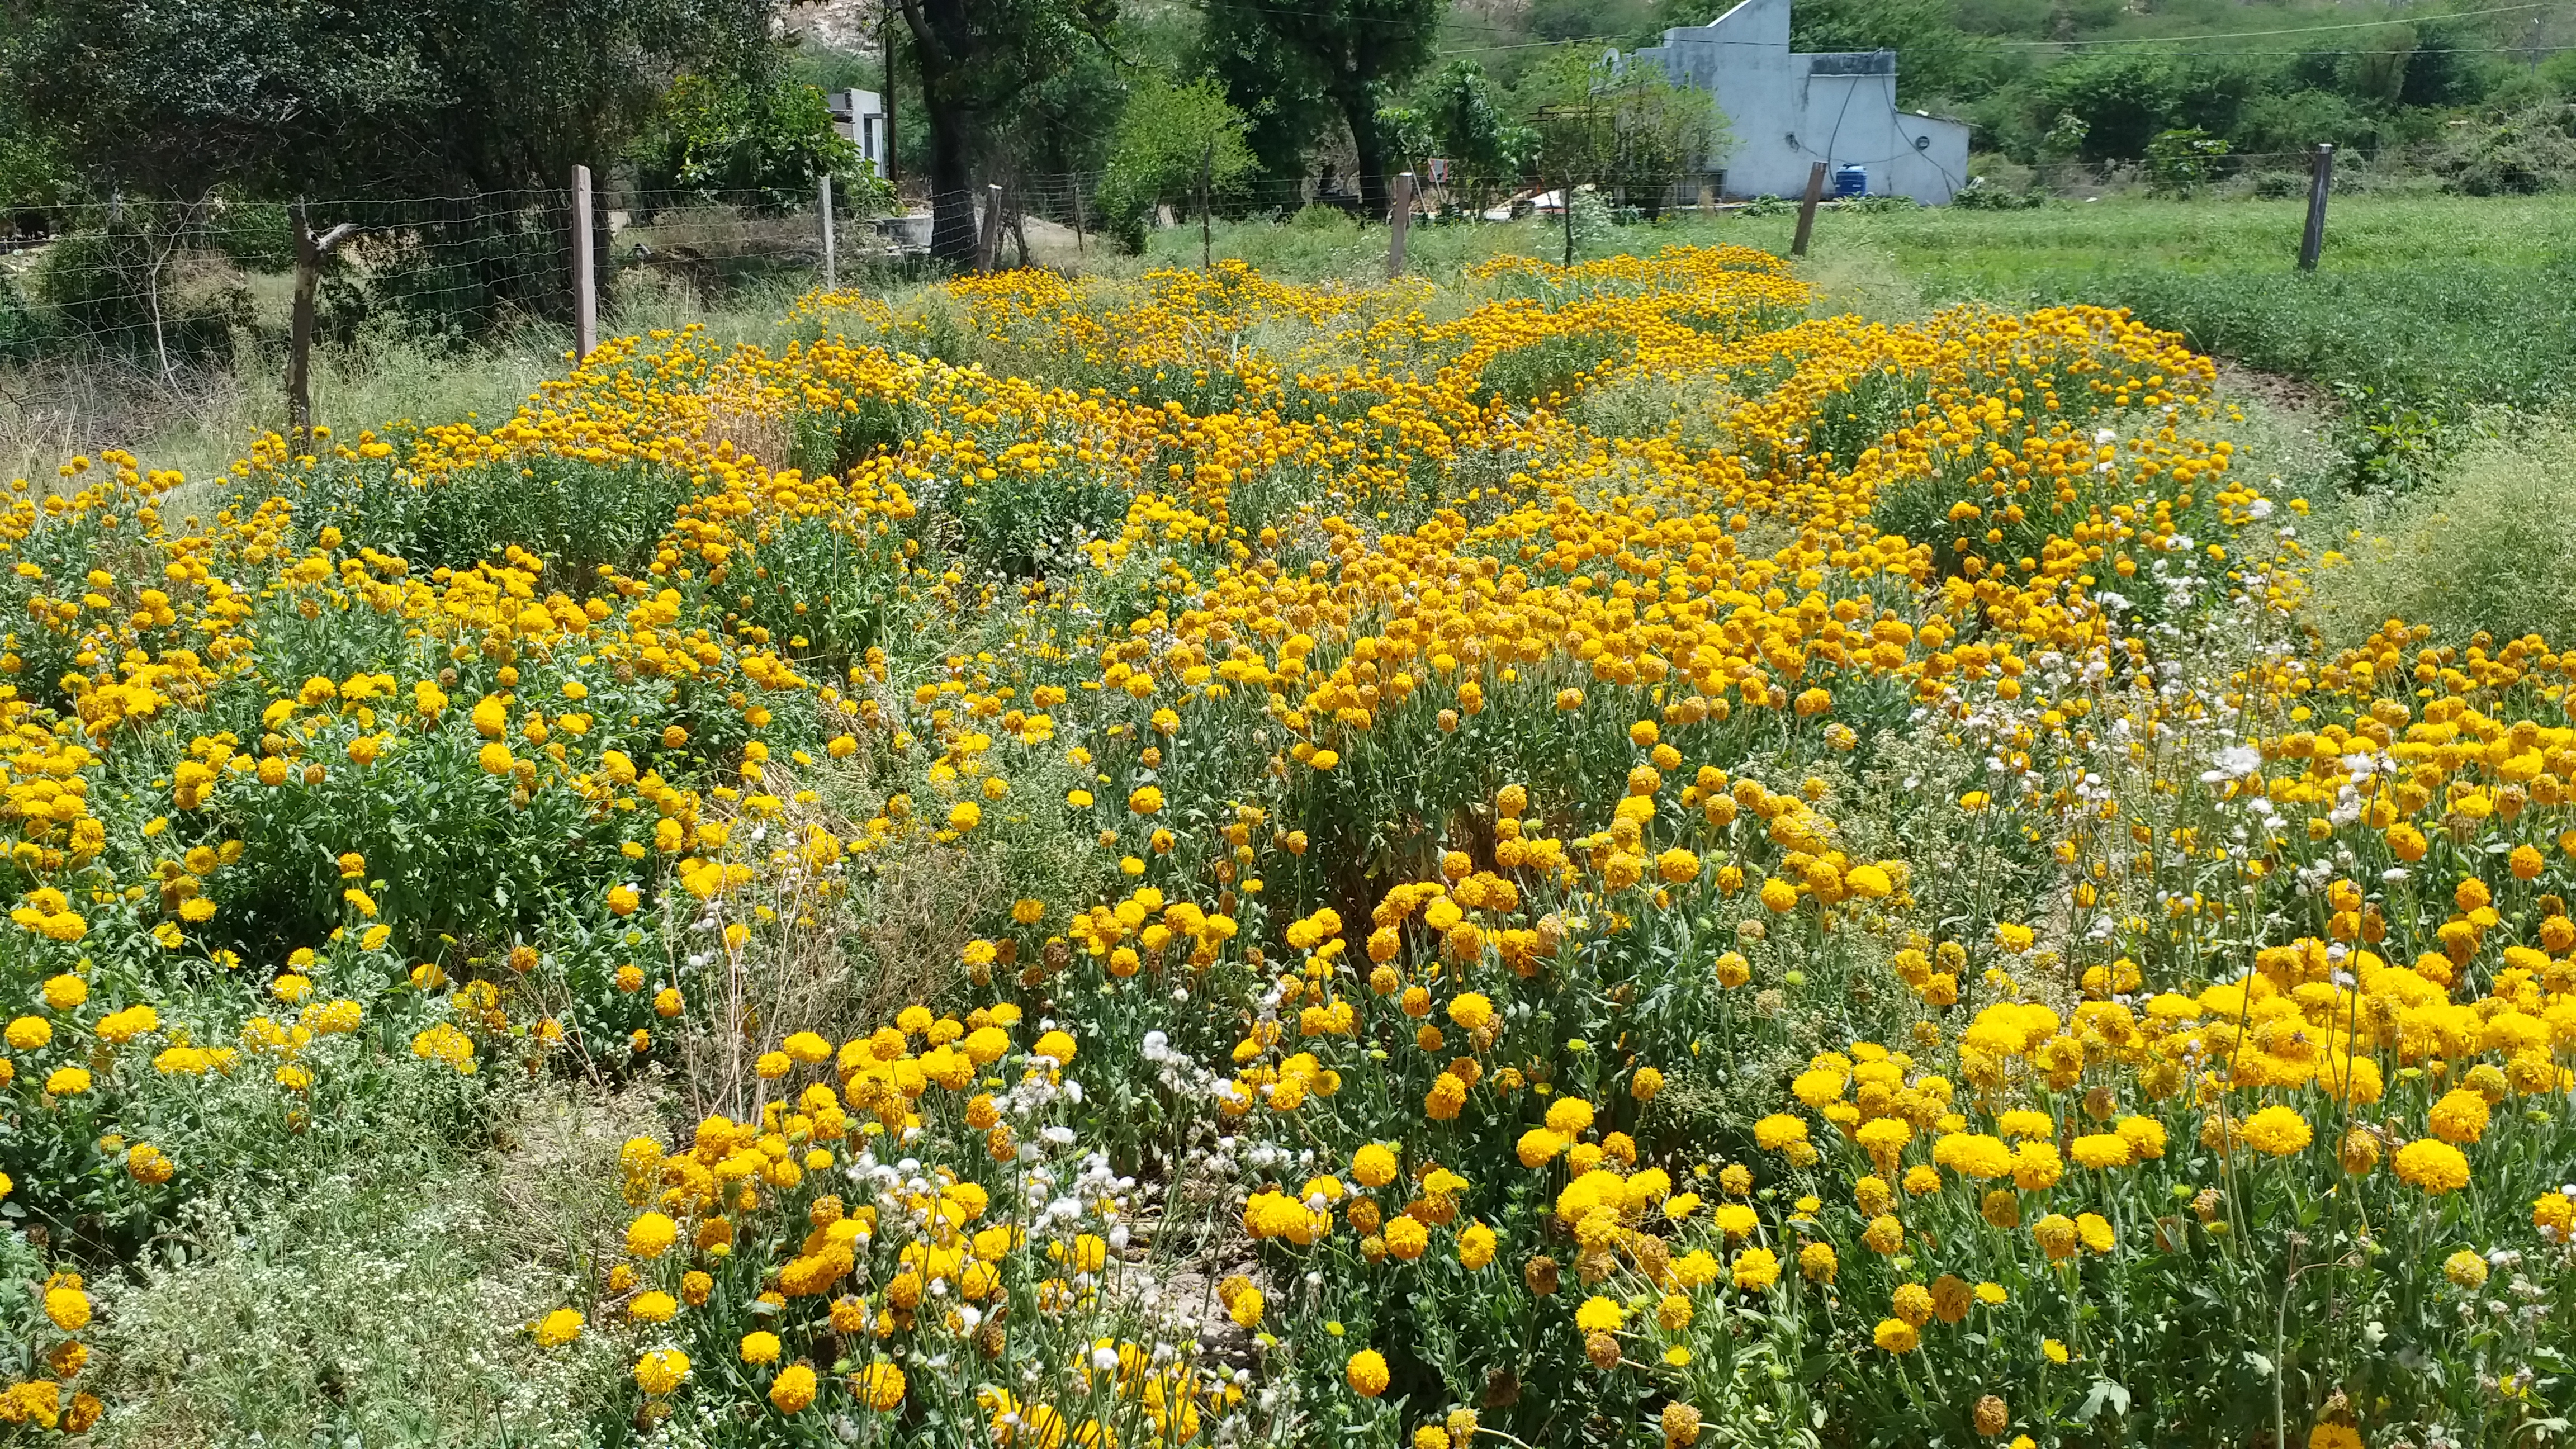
x: 1458, y: 115
x: 2533, y: 149
x: 1631, y: 130
x: 976, y: 60
x: 1549, y: 372
x: 2180, y: 161
x: 2488, y: 551
x: 440, y: 97
x: 1934, y: 57
x: 769, y: 138
x: 1166, y: 134
x: 382, y: 1299
x: 1291, y: 68
x: 118, y: 290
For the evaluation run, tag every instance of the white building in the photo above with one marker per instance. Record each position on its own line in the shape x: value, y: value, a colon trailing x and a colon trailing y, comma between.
x: 860, y: 117
x: 1787, y: 111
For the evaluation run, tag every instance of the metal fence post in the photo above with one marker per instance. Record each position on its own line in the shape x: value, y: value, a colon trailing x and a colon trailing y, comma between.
x: 2320, y: 181
x: 585, y: 279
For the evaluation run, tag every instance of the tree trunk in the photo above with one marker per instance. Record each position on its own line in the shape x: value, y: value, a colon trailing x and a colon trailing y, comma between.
x: 1359, y: 111
x: 952, y: 196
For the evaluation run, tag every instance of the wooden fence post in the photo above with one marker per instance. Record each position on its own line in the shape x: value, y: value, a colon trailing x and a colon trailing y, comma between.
x: 309, y: 252
x: 988, y: 247
x: 1207, y: 164
x: 2320, y: 181
x: 831, y: 262
x: 1807, y: 209
x: 1565, y: 209
x: 585, y: 275
x: 1399, y: 215
x: 1077, y: 213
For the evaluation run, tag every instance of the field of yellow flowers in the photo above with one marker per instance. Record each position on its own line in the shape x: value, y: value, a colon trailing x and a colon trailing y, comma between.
x: 1593, y: 856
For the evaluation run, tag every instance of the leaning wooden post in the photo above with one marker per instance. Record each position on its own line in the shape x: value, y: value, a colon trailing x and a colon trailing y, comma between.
x: 1807, y: 209
x: 988, y: 247
x: 299, y: 352
x: 309, y: 252
x: 1399, y: 214
x: 2320, y: 182
x: 1077, y: 213
x: 831, y: 263
x: 585, y: 277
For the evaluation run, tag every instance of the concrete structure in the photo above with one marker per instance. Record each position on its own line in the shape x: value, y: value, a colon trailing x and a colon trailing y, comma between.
x: 1787, y: 111
x: 861, y: 119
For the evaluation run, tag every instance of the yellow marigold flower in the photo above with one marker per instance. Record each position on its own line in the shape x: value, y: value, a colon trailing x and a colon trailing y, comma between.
x: 2277, y: 1131
x: 1373, y: 1165
x: 1884, y: 1234
x: 1755, y: 1269
x: 1913, y: 1303
x: 1817, y: 1262
x: 1476, y: 1244
x: 2461, y: 1116
x: 651, y: 1235
x: 2099, y: 1150
x: 660, y: 1371
x: 2432, y: 1166
x: 1366, y: 1373
x: 2055, y: 1234
x: 1896, y: 1335
x: 68, y: 1307
x: 880, y: 1386
x: 793, y: 1389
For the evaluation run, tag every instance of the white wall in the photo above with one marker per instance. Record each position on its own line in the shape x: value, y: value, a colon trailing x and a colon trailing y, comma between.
x: 1783, y: 116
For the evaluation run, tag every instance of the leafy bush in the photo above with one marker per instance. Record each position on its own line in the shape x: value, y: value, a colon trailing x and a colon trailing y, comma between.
x: 727, y: 139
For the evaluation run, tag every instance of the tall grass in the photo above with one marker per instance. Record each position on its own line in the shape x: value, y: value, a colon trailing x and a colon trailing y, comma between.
x: 2489, y: 550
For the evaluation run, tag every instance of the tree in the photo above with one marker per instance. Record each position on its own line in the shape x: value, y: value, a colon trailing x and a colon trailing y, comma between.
x: 770, y: 139
x: 339, y: 97
x: 1934, y: 57
x: 1457, y: 115
x: 424, y: 108
x: 1622, y: 126
x: 1165, y: 134
x: 1292, y: 65
x: 975, y: 57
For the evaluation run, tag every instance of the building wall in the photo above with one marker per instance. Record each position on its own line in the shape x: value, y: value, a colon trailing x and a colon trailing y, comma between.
x: 859, y: 116
x: 1786, y: 111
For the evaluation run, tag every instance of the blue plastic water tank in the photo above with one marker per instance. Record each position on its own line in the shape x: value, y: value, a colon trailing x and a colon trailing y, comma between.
x: 1851, y: 181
